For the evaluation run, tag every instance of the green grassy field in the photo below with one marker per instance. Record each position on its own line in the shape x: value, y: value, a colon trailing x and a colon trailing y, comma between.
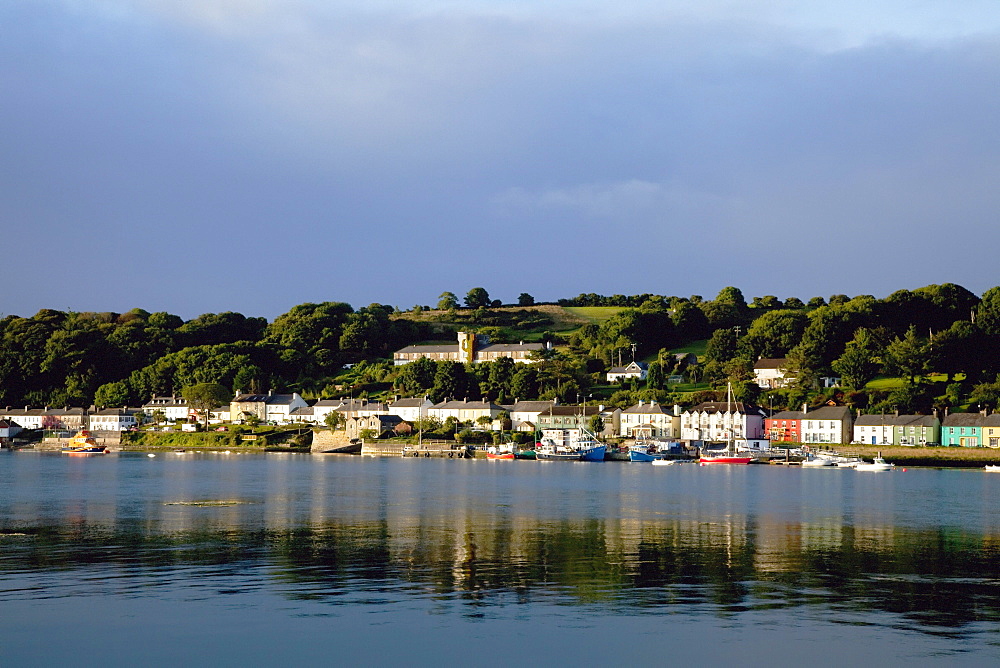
x: 595, y: 314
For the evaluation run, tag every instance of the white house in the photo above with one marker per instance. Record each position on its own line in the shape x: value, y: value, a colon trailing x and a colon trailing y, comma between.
x: 719, y: 421
x: 27, y: 417
x: 827, y: 424
x: 172, y: 407
x: 112, y: 419
x: 770, y: 373
x: 524, y: 414
x: 464, y: 411
x: 636, y: 370
x: 651, y: 420
x: 9, y: 429
x: 268, y: 407
x: 410, y: 409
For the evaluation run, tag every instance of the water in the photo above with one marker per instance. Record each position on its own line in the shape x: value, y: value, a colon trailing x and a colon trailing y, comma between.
x: 265, y: 559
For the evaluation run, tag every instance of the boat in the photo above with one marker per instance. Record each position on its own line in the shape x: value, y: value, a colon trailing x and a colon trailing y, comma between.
x: 524, y: 454
x: 643, y: 455
x: 645, y: 450
x: 816, y: 461
x: 548, y: 450
x: 728, y: 456
x: 992, y: 468
x: 878, y: 465
x: 664, y: 462
x: 591, y: 450
x: 84, y: 444
x: 504, y: 452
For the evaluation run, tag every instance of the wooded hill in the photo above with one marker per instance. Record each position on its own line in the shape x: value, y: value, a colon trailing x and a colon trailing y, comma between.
x: 941, y: 342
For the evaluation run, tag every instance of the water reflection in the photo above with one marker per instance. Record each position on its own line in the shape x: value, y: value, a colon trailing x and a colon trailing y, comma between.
x: 615, y: 538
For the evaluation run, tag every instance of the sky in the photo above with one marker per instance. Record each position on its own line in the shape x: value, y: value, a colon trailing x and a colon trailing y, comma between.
x: 197, y: 156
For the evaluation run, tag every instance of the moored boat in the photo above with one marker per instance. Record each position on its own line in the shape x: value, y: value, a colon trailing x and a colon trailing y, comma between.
x: 992, y: 468
x: 878, y: 465
x: 728, y: 456
x: 84, y: 444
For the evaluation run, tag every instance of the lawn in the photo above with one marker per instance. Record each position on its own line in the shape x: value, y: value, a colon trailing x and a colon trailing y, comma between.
x: 595, y: 314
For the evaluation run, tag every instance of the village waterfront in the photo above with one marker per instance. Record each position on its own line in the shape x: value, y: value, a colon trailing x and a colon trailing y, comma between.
x: 252, y: 558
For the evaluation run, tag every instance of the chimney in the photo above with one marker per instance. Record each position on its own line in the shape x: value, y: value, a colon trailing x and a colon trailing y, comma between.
x: 640, y: 403
x: 805, y: 408
x: 677, y: 409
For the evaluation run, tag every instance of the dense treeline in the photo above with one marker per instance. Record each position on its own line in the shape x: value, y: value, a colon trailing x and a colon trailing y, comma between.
x: 67, y: 358
x: 64, y: 358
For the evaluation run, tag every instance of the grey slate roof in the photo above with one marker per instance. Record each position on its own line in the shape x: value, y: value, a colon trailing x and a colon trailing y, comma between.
x: 964, y: 420
x: 771, y: 363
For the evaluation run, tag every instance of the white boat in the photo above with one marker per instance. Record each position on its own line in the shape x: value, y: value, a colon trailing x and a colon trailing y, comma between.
x: 813, y: 461
x: 663, y: 462
x: 992, y: 468
x: 878, y: 465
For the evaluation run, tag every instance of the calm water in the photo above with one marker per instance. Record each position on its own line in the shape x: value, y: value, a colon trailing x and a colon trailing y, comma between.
x: 267, y: 559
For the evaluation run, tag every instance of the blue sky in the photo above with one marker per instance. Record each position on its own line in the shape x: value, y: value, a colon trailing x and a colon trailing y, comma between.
x: 250, y: 156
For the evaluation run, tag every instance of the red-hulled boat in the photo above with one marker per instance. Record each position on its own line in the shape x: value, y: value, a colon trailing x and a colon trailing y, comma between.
x: 728, y: 456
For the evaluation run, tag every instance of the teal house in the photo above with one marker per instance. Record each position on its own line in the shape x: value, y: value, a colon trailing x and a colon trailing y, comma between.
x: 963, y: 429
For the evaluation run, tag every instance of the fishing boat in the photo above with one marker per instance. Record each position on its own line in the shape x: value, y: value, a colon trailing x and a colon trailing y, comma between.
x: 502, y: 452
x: 84, y: 444
x: 549, y: 450
x: 728, y: 456
x: 878, y: 465
x: 645, y: 450
x: 524, y: 454
x: 591, y: 450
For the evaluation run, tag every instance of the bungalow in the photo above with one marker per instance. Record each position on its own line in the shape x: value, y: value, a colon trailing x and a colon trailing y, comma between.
x: 963, y: 429
x: 637, y: 370
x: 302, y: 414
x: 651, y: 420
x: 720, y: 420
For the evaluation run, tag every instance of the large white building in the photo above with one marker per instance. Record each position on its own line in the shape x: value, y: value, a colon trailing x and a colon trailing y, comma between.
x: 720, y: 421
x: 651, y: 420
x: 470, y: 348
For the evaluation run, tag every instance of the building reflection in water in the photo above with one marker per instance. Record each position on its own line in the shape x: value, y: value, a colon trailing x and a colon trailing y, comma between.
x: 697, y: 542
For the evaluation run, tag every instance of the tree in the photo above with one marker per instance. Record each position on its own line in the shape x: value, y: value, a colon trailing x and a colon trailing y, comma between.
x: 524, y: 299
x: 907, y: 356
x: 111, y: 394
x: 596, y: 424
x: 447, y: 301
x: 860, y: 361
x: 333, y: 420
x: 158, y: 416
x: 477, y: 298
x: 206, y: 397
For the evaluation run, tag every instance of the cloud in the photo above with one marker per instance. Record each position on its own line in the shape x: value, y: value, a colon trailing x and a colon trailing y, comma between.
x: 339, y: 141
